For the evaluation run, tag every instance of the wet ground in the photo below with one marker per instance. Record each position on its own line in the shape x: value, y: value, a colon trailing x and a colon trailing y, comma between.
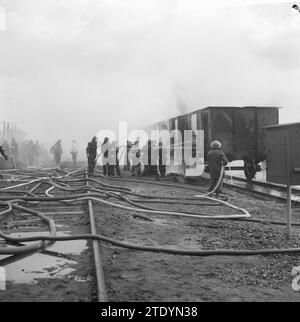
x: 62, y: 272
x: 43, y: 265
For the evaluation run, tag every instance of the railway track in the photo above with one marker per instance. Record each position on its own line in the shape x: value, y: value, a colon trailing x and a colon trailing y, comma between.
x: 65, y: 262
x: 67, y: 197
x: 263, y: 188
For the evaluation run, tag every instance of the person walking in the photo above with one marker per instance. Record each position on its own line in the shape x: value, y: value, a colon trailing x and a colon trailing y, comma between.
x: 57, y: 151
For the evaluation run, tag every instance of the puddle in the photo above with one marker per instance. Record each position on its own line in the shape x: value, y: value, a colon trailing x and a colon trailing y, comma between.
x: 29, y: 269
x: 75, y: 247
x: 160, y: 222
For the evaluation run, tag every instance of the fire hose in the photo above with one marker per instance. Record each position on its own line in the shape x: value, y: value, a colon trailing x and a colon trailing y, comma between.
x: 12, y: 200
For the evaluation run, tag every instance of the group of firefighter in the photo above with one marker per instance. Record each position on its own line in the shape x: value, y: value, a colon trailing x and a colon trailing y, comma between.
x: 152, y: 156
x: 57, y: 152
x: 27, y: 152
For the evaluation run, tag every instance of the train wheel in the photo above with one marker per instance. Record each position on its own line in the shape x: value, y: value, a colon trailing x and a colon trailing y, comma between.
x: 249, y: 169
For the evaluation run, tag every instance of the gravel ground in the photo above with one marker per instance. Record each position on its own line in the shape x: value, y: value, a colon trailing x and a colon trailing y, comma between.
x: 144, y: 276
x: 140, y: 276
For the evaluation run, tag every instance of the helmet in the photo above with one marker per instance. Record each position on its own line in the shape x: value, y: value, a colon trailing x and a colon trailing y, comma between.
x: 215, y: 144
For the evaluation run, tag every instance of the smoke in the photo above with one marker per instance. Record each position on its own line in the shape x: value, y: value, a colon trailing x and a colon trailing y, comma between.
x: 181, y: 96
x: 71, y: 68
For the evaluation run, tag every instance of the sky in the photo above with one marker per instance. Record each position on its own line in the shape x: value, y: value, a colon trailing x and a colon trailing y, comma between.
x: 70, y: 68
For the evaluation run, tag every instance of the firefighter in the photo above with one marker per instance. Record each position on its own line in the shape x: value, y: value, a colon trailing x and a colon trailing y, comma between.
x: 6, y: 148
x: 74, y: 152
x: 150, y: 156
x: 135, y: 153
x: 56, y: 150
x: 118, y: 172
x: 2, y: 151
x: 104, y: 152
x: 111, y: 159
x: 162, y: 159
x: 14, y: 149
x: 128, y: 147
x: 216, y: 159
x: 114, y: 159
x: 91, y: 152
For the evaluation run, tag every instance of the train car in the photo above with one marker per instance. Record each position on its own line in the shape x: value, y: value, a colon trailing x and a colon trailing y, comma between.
x: 240, y: 129
x: 283, y: 159
x: 250, y: 135
x: 218, y: 124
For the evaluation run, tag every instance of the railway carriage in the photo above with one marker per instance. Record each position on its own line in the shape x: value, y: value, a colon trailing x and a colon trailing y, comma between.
x: 240, y: 129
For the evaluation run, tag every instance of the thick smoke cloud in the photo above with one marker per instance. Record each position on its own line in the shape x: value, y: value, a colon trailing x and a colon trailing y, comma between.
x: 70, y: 68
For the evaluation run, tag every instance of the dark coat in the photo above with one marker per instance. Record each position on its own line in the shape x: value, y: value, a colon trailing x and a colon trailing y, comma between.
x: 3, y: 152
x: 91, y: 148
x: 215, y: 159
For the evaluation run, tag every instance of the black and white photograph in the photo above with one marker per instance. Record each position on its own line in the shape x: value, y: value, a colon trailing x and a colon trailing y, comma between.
x: 149, y: 154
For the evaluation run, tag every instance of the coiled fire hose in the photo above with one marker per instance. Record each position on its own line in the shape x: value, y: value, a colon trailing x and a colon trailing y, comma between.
x: 12, y: 204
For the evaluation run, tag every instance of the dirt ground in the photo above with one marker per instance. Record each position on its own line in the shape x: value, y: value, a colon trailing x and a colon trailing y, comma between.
x: 145, y: 276
x: 140, y: 276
